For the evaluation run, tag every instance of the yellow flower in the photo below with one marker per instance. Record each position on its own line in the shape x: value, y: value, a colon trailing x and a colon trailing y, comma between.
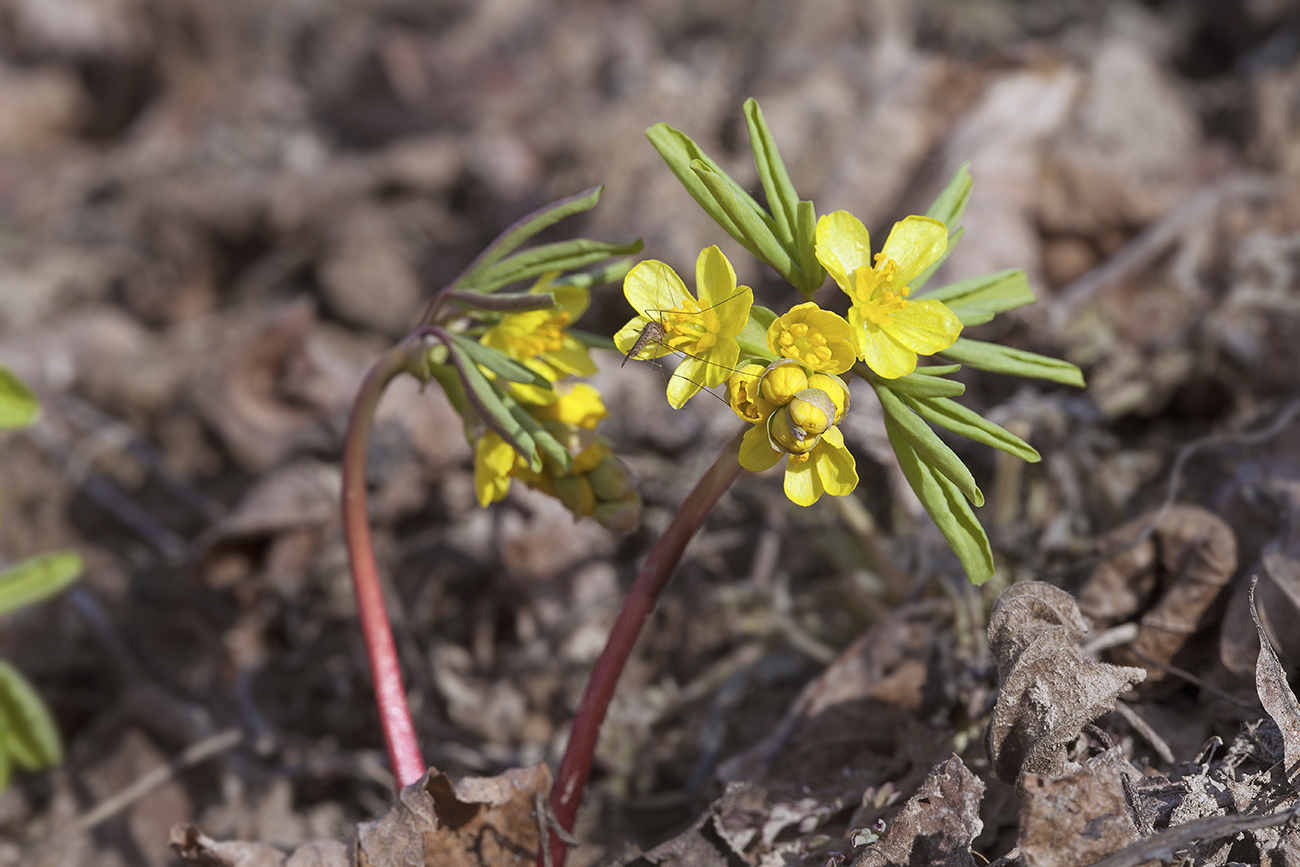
x: 540, y: 340
x: 888, y: 330
x: 494, y: 461
x: 702, y: 330
x: 580, y: 406
x: 800, y: 425
x: 816, y: 338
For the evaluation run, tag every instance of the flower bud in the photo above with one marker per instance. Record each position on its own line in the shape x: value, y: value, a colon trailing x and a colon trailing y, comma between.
x: 611, y: 480
x: 576, y: 494
x: 838, y: 391
x: 812, y: 410
x: 782, y: 380
x: 744, y: 395
x: 620, y: 516
x: 788, y: 436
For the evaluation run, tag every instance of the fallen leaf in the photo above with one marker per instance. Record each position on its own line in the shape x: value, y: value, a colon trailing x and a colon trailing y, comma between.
x: 937, y: 824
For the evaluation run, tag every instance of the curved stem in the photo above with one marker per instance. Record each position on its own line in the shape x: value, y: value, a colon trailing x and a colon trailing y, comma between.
x: 385, y: 671
x: 575, y: 767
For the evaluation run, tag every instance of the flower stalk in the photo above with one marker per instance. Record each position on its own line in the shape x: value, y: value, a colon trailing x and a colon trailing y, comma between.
x: 381, y: 652
x: 575, y: 767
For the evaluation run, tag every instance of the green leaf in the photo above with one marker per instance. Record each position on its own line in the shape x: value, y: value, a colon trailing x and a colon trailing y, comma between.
x: 756, y: 231
x: 32, y: 739
x: 1017, y: 362
x: 979, y: 299
x: 6, y: 766
x: 517, y: 234
x: 611, y: 272
x: 926, y: 443
x: 950, y: 204
x: 37, y: 578
x: 782, y: 200
x: 452, y: 386
x: 18, y: 405
x: 680, y: 152
x: 560, y: 256
x: 549, y: 445
x: 925, y: 385
x: 594, y: 341
x: 966, y: 422
x: 937, y: 369
x: 811, y: 273
x: 924, y: 277
x: 490, y: 405
x: 505, y: 302
x: 944, y: 502
x: 498, y: 362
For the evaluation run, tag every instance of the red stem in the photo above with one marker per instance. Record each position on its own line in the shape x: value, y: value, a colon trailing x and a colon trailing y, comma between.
x: 385, y: 670
x: 575, y: 767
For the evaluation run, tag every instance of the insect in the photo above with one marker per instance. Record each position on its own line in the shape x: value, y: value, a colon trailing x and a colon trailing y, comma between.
x: 652, y: 340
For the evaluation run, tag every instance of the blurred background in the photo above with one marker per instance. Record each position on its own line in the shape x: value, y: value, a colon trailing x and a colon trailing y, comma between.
x: 214, y: 215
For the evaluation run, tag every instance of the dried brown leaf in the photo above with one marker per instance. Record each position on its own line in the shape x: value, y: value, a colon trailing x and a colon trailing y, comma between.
x: 937, y: 824
x: 1078, y: 818
x: 1048, y: 689
x: 1274, y: 691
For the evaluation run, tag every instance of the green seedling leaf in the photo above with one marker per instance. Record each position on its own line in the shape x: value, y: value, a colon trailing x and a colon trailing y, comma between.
x: 560, y: 256
x: 31, y: 738
x: 925, y: 385
x: 979, y: 299
x: 755, y: 226
x: 18, y: 405
x: 37, y: 578
x: 811, y: 272
x: 782, y: 199
x: 489, y: 404
x: 595, y: 341
x: 517, y: 234
x: 950, y: 204
x: 1017, y: 362
x: 927, y: 445
x: 936, y: 369
x: 944, y: 502
x: 966, y: 422
x: 498, y: 362
x: 680, y: 152
x: 505, y: 302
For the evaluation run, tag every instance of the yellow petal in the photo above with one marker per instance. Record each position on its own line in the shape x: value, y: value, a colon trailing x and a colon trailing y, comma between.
x: 836, y: 468
x: 925, y: 327
x: 802, y: 484
x: 843, y: 246
x: 715, y: 281
x: 493, y: 458
x: 733, y: 312
x: 886, y: 356
x: 756, y: 453
x: 573, y: 358
x: 915, y: 243
x: 652, y: 287
x: 630, y: 333
x: 572, y: 299
x: 686, y: 381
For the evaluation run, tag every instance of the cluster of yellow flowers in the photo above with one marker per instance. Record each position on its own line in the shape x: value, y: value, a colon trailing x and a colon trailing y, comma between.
x: 788, y: 386
x: 597, y: 483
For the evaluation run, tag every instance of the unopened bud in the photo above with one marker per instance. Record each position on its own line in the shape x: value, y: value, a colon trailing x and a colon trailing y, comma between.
x: 812, y: 410
x: 576, y: 494
x: 620, y: 516
x: 838, y: 391
x: 788, y: 436
x: 783, y: 379
x: 744, y: 395
x: 611, y: 480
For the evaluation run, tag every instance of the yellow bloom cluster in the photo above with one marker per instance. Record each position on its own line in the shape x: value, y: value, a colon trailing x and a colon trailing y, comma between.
x: 790, y: 390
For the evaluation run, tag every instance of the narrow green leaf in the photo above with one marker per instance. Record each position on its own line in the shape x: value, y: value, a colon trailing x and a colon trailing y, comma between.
x: 611, y: 272
x: 498, y: 362
x: 521, y: 231
x: 923, y: 385
x: 594, y: 341
x: 18, y: 405
x: 782, y: 200
x: 37, y: 578
x: 32, y: 739
x: 811, y: 273
x: 944, y: 502
x: 964, y: 421
x: 505, y: 302
x: 549, y: 445
x: 447, y: 377
x: 535, y: 261
x: 979, y: 299
x: 679, y: 152
x: 1017, y: 362
x: 6, y: 764
x: 755, y: 226
x: 927, y: 444
x: 487, y: 402
x: 950, y: 204
x: 937, y: 369
x: 924, y: 277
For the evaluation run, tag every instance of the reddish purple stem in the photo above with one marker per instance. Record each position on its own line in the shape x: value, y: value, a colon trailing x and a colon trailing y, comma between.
x: 385, y: 670
x: 575, y: 767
